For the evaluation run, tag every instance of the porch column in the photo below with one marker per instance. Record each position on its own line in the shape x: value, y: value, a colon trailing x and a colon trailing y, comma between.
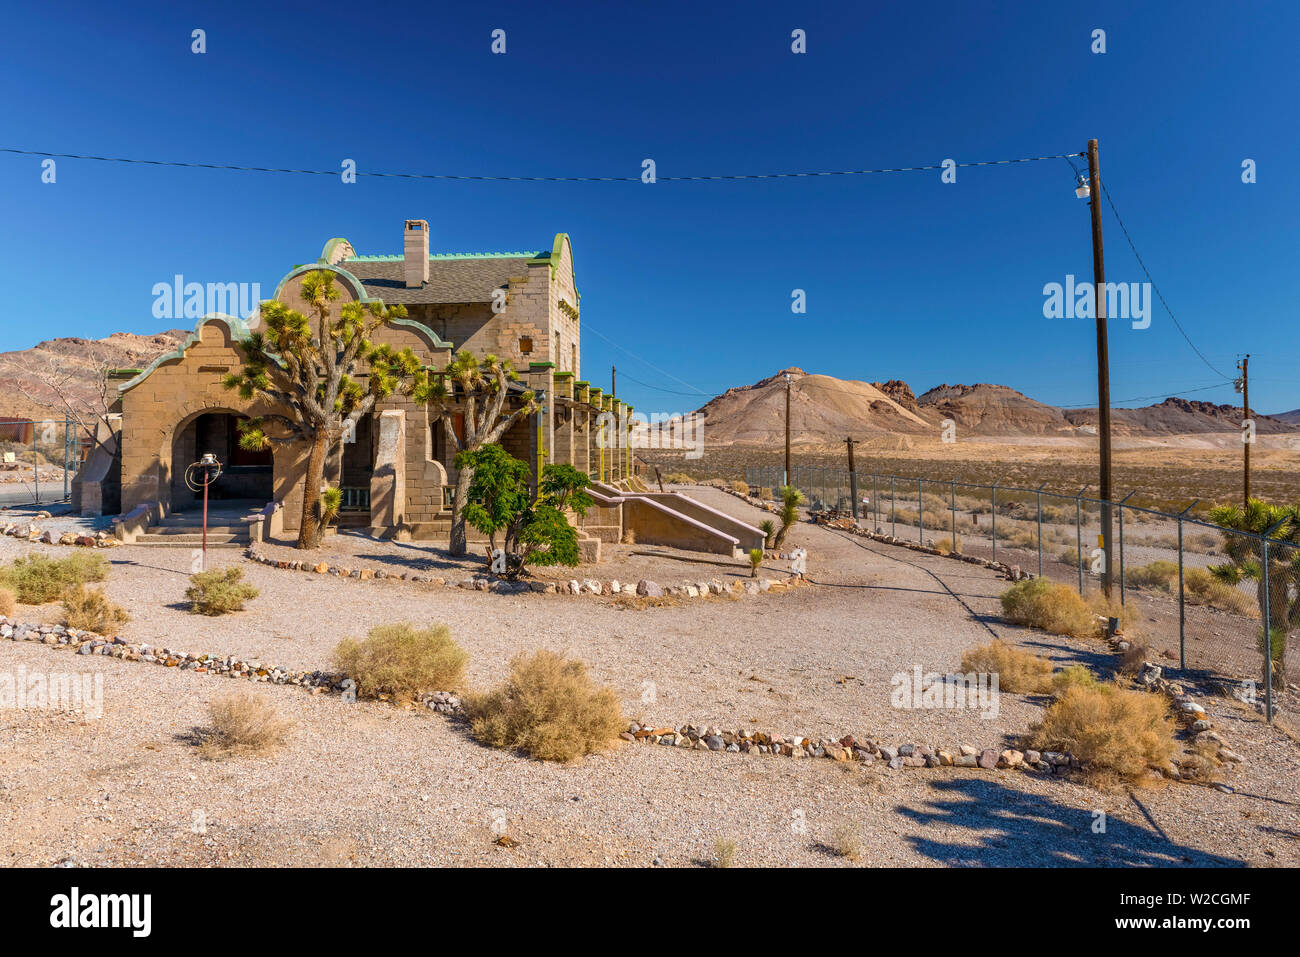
x: 388, y: 481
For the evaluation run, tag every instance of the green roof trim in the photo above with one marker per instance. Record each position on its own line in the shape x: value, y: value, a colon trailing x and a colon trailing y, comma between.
x: 329, y: 248
x: 436, y: 257
x: 235, y: 326
x: 541, y: 365
x: 563, y: 375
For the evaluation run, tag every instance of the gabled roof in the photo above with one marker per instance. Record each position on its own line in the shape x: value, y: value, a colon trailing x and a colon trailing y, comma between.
x: 451, y: 278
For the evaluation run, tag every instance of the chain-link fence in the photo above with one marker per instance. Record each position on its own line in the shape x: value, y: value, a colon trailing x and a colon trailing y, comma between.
x: 1190, y: 590
x: 38, y: 460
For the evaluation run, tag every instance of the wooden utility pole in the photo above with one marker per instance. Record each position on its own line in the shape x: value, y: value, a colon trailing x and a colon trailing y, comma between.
x: 1246, y: 435
x: 1103, y: 361
x: 853, y: 480
x: 787, y: 428
x: 613, y: 382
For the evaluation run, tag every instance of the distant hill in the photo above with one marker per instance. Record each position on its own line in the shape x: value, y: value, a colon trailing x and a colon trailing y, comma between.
x: 826, y: 409
x: 73, y: 360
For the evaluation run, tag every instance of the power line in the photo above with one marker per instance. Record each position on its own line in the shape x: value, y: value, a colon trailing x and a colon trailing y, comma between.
x: 1138, y: 256
x: 588, y: 328
x: 1143, y: 398
x: 532, y: 179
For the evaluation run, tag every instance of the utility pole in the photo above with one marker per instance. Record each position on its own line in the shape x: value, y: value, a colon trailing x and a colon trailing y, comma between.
x: 787, y: 429
x: 613, y: 382
x: 1103, y: 361
x: 853, y: 481
x: 1246, y: 435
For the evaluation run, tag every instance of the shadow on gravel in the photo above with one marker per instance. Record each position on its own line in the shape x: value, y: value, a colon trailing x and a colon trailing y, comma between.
x: 1012, y: 828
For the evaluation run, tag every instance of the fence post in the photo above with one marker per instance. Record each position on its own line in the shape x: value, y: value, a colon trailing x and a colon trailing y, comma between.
x: 1268, y: 628
x: 995, y: 518
x: 875, y: 500
x: 1040, y: 528
x: 893, y: 513
x: 1078, y: 534
x: 36, y: 467
x: 920, y: 510
x: 955, y: 549
x: 1182, y: 599
x: 1121, y: 544
x: 67, y: 454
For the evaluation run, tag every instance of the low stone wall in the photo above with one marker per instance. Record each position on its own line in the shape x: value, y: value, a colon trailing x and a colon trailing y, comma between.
x: 32, y: 532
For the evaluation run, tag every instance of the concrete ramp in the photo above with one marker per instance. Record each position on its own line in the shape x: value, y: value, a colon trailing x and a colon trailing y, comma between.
x: 672, y: 518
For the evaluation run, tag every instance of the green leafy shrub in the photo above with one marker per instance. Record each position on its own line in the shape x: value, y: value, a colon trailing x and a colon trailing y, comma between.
x: 219, y: 591
x: 755, y: 559
x: 37, y: 579
x: 402, y: 660
x: 548, y: 708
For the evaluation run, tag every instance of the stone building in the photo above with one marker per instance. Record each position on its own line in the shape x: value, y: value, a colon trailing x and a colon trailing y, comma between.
x: 397, y: 473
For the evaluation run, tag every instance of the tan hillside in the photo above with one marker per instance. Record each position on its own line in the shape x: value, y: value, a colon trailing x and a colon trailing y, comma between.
x: 26, y: 374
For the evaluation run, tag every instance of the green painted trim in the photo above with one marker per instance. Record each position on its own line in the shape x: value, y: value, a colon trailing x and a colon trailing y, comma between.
x: 541, y: 365
x: 124, y: 373
x: 563, y: 375
x: 234, y: 325
x: 529, y: 254
x: 359, y: 290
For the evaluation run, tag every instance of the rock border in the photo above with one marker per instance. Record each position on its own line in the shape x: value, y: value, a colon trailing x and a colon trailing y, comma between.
x: 644, y: 588
x: 31, y: 532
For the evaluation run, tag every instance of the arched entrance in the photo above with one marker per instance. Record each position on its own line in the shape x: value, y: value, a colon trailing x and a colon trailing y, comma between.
x: 246, y: 476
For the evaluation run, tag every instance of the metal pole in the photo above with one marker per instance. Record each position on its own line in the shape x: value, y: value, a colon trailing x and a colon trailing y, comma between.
x: 1182, y: 598
x: 893, y: 513
x: 1121, y: 544
x: 206, y: 482
x: 920, y: 511
x: 853, y: 482
x: 875, y: 500
x: 787, y: 425
x: 36, y: 466
x: 1268, y: 629
x: 1078, y: 534
x: 995, y: 518
x: 1040, y: 529
x: 953, y: 503
x: 67, y: 448
x: 1103, y: 358
x: 1245, y: 443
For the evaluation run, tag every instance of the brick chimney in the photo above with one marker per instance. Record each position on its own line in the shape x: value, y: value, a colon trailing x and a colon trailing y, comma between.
x: 416, y: 253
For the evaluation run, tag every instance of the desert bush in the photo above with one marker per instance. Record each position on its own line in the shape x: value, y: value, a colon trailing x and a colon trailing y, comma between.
x: 548, y: 708
x: 846, y: 840
x: 1201, y: 588
x: 219, y: 591
x: 738, y: 486
x: 629, y: 536
x: 724, y: 853
x: 1158, y: 574
x: 1131, y: 660
x: 1073, y: 676
x: 755, y: 559
x: 402, y: 660
x: 768, y: 528
x: 679, y: 478
x: 947, y: 546
x: 1068, y: 556
x: 37, y: 579
x: 242, y: 723
x: 1019, y: 672
x: 1115, y: 733
x: 87, y: 609
x: 7, y: 602
x: 791, y: 498
x: 1052, y: 607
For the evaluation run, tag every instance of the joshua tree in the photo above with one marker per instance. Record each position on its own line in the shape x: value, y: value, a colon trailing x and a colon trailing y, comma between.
x: 481, y: 384
x: 1281, y: 612
x: 304, y: 366
x: 755, y: 559
x: 790, y: 499
x: 768, y: 528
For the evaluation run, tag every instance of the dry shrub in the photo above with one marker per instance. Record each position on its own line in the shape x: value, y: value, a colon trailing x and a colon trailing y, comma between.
x: 242, y: 723
x: 846, y: 840
x: 1073, y: 676
x: 7, y: 602
x: 548, y: 708
x: 87, y: 609
x: 1138, y: 653
x: 37, y: 579
x: 629, y: 536
x: 724, y: 853
x: 219, y: 591
x: 947, y: 547
x: 1158, y: 574
x: 1019, y: 672
x: 1202, y: 588
x: 1052, y: 607
x: 402, y: 660
x: 738, y: 486
x: 1116, y: 734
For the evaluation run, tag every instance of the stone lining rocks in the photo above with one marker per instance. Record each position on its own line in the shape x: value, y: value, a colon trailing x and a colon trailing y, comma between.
x: 644, y: 588
x: 32, y: 532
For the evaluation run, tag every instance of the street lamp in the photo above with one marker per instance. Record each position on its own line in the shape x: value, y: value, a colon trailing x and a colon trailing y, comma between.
x: 202, y: 474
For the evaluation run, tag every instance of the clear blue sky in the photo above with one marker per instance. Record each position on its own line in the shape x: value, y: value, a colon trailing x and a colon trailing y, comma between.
x: 906, y: 277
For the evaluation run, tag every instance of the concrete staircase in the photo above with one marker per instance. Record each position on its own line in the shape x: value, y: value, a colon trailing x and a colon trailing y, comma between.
x: 226, y: 526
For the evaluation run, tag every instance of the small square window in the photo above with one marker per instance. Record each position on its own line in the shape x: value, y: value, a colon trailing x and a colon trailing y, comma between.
x: 525, y: 345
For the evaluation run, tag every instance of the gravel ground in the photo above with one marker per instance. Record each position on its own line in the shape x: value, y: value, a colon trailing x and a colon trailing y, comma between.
x: 367, y: 784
